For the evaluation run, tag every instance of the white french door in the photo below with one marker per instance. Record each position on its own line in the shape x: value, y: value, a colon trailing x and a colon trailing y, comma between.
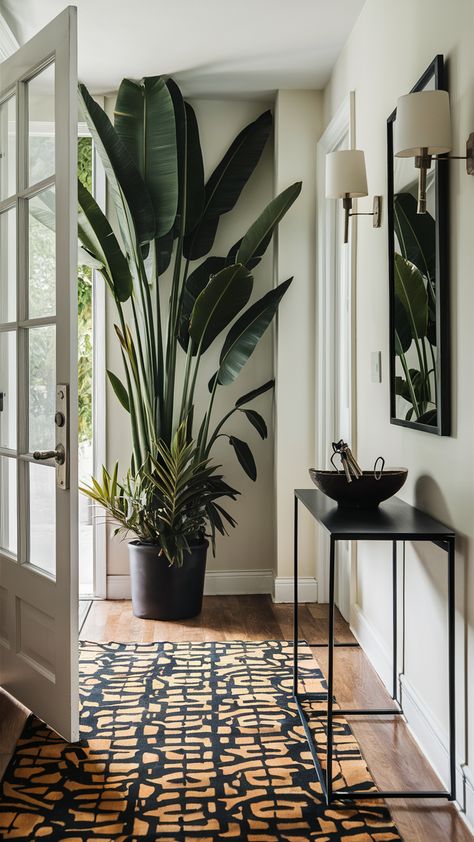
x: 38, y: 376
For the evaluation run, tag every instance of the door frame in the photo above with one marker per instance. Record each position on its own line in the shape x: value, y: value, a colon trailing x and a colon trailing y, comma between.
x: 341, y: 127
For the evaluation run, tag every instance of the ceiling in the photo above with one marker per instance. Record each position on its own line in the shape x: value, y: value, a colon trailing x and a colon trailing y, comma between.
x: 212, y: 48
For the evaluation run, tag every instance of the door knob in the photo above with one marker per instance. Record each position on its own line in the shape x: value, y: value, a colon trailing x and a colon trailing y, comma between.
x: 59, y: 455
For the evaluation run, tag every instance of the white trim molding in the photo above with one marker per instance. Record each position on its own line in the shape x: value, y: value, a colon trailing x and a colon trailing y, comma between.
x: 336, y: 265
x: 217, y: 583
x: 284, y: 587
x: 424, y: 727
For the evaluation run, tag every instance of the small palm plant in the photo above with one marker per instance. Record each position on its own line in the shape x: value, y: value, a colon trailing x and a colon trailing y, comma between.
x: 165, y: 214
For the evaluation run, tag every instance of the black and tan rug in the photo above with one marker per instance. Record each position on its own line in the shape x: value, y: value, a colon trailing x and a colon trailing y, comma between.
x: 187, y: 742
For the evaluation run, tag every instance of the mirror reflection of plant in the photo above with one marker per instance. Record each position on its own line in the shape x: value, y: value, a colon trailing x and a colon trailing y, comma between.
x: 415, y: 308
x: 164, y: 209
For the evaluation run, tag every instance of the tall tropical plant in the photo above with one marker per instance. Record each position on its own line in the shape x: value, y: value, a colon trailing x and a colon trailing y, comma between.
x: 168, y: 216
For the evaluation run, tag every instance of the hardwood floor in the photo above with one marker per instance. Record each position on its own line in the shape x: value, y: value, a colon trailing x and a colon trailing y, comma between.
x: 392, y: 755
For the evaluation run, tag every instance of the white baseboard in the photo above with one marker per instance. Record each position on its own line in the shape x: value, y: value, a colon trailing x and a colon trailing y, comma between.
x: 424, y: 727
x: 217, y: 583
x: 118, y: 587
x: 373, y: 645
x: 233, y: 582
x: 283, y: 589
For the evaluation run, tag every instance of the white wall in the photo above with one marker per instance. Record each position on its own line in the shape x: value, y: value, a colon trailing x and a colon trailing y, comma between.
x: 250, y: 547
x: 298, y: 123
x: 389, y: 48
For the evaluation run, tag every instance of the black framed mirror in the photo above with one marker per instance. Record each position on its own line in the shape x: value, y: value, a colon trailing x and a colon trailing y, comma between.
x: 420, y: 389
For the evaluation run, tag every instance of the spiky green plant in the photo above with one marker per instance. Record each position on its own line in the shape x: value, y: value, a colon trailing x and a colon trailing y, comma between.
x: 166, y: 212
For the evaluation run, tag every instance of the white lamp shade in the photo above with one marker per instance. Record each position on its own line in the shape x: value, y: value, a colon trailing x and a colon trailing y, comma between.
x: 423, y: 122
x: 345, y: 174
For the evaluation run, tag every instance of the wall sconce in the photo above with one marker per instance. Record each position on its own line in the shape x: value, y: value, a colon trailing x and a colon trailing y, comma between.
x: 422, y: 131
x: 346, y: 179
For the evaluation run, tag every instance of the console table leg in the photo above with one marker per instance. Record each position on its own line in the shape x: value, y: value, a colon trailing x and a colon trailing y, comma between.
x: 295, y: 598
x: 451, y: 665
x: 395, y: 620
x: 329, y: 748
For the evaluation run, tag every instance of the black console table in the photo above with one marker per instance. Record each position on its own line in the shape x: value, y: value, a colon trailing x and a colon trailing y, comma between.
x: 392, y: 521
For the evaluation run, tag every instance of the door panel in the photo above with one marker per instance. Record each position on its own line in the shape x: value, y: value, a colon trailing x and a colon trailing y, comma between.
x: 38, y: 321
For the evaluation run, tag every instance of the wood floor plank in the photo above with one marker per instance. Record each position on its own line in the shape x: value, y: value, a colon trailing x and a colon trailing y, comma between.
x: 391, y: 753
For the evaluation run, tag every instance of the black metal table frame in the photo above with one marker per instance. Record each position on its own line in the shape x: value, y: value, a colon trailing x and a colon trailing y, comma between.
x: 325, y: 780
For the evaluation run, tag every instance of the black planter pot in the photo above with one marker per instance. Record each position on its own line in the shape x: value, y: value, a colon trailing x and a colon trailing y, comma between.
x: 161, y: 591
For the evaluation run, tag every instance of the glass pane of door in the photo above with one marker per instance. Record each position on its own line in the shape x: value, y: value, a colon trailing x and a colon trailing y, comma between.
x: 8, y: 505
x: 42, y: 387
x: 42, y: 254
x: 8, y: 389
x: 41, y: 125
x: 8, y: 265
x: 8, y: 148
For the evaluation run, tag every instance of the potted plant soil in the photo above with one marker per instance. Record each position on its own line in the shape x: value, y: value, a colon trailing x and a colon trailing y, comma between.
x: 170, y: 501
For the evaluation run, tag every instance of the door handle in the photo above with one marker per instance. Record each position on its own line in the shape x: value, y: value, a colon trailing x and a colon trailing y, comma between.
x: 59, y: 455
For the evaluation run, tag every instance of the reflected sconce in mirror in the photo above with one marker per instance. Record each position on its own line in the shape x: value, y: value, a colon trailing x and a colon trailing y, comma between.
x: 423, y: 132
x: 346, y: 179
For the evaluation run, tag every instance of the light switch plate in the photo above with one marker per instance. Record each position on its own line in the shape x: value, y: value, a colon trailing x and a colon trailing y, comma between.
x: 376, y: 366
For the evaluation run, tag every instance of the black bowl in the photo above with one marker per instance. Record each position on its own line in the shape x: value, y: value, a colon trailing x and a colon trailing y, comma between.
x: 363, y: 493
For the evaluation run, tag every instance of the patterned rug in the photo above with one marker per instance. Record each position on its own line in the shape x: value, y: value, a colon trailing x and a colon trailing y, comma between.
x: 184, y: 742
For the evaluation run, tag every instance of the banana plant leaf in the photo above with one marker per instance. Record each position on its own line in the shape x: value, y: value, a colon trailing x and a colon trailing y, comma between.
x: 411, y: 292
x: 245, y: 456
x: 416, y: 234
x: 122, y: 173
x: 217, y: 305
x: 255, y: 393
x: 260, y: 233
x: 195, y: 283
x: 430, y: 417
x: 164, y: 251
x: 144, y: 119
x: 119, y: 390
x: 98, y: 238
x: 190, y: 165
x: 402, y: 328
x: 247, y: 331
x: 257, y: 421
x: 227, y: 182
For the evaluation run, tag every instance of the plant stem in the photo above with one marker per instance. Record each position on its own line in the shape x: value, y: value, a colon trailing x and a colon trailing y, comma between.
x: 207, y: 418
x: 172, y: 340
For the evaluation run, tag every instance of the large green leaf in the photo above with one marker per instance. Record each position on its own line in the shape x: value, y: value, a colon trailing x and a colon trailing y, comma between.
x: 245, y: 456
x: 247, y: 331
x: 219, y: 302
x: 119, y: 390
x: 257, y: 421
x: 145, y: 121
x: 164, y: 251
x: 97, y: 237
x: 227, y: 182
x: 411, y: 292
x: 190, y: 164
x: 416, y: 234
x: 260, y: 233
x: 255, y: 393
x: 402, y: 328
x: 122, y: 173
x: 195, y: 283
